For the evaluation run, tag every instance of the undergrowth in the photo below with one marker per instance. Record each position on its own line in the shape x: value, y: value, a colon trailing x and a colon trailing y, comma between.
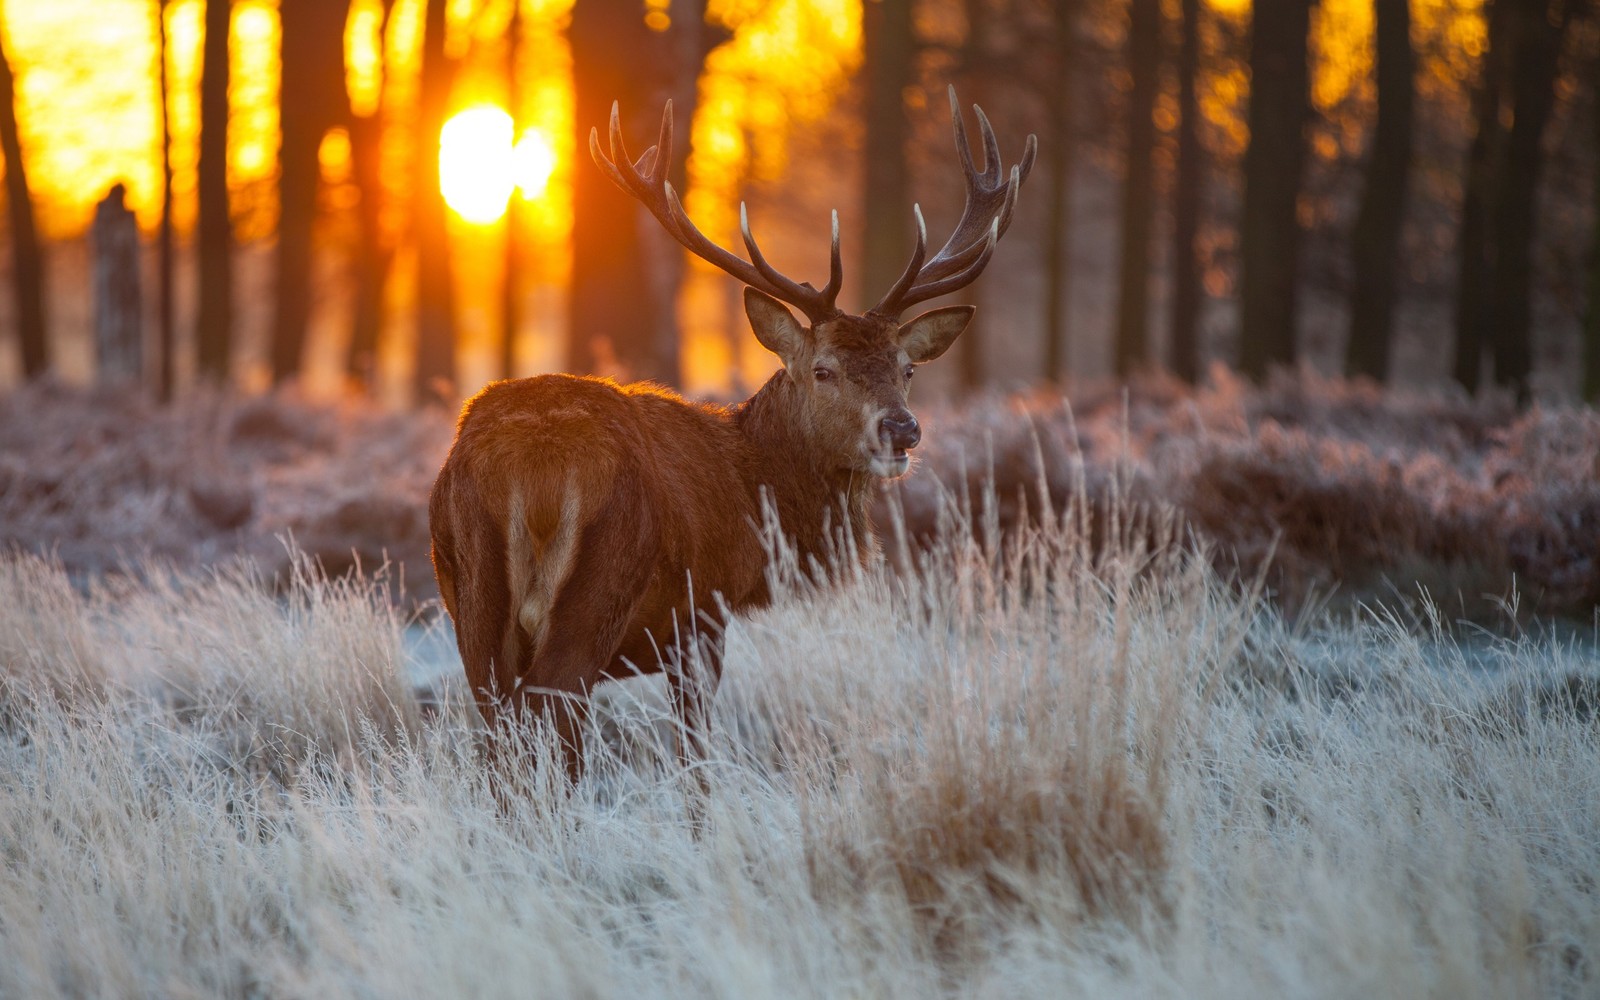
x: 1069, y: 759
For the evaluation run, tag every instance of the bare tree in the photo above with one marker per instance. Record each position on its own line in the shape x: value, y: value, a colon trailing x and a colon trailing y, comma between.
x: 165, y: 306
x: 1375, y: 245
x: 886, y: 195
x: 1541, y: 27
x: 1138, y: 186
x: 510, y: 285
x: 1269, y: 229
x: 1591, y: 326
x: 27, y: 259
x: 1187, y: 188
x: 374, y: 253
x: 1059, y: 161
x: 310, y: 101
x: 435, y: 369
x: 613, y: 305
x: 1485, y: 163
x: 214, y: 325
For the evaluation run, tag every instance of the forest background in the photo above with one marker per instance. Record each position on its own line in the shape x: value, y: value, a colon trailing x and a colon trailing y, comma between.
x: 1406, y: 192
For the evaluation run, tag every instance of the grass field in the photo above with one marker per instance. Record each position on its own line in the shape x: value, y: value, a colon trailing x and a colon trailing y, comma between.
x: 1051, y: 767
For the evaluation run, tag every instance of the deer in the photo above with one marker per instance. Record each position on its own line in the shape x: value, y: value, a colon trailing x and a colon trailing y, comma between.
x: 580, y: 526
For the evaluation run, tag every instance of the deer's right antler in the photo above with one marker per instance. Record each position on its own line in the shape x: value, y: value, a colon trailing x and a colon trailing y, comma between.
x: 647, y: 181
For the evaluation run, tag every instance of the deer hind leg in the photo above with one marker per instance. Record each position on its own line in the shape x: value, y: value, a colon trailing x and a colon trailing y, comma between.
x: 576, y: 610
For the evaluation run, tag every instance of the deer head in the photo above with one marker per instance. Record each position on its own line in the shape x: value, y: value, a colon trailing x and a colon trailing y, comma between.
x: 850, y: 375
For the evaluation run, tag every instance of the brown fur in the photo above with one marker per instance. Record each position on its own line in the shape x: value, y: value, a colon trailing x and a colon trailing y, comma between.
x: 574, y: 516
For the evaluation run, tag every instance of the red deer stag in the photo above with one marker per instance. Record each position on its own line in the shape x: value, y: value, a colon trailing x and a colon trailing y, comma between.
x: 578, y: 525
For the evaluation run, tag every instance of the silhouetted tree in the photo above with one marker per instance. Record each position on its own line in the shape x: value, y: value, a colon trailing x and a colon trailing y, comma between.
x: 310, y: 101
x: 1540, y: 27
x: 1187, y: 185
x: 613, y: 310
x: 1269, y: 229
x: 27, y: 260
x: 1138, y: 186
x: 680, y: 57
x: 889, y: 50
x: 1375, y: 244
x: 1058, y: 154
x: 1485, y: 163
x: 435, y: 370
x: 165, y: 306
x: 511, y: 284
x: 979, y: 60
x: 1591, y: 327
x: 373, y: 252
x: 214, y: 324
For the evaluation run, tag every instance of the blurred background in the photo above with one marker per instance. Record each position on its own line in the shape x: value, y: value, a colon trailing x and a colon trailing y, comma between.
x: 393, y: 198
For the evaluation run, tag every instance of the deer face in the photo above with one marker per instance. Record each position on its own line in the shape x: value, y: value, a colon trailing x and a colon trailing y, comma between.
x: 852, y: 377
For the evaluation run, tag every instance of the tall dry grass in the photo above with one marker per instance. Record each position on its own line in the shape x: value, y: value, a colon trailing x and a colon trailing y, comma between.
x: 1048, y: 767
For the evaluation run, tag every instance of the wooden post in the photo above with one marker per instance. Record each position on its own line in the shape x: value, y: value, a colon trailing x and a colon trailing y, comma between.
x: 118, y: 305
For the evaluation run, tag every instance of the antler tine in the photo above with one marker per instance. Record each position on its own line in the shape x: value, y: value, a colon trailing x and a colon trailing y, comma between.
x: 792, y: 289
x: 933, y: 289
x: 963, y: 146
x: 908, y: 277
x: 663, y: 162
x: 646, y: 180
x: 992, y: 170
x: 830, y: 291
x: 991, y: 197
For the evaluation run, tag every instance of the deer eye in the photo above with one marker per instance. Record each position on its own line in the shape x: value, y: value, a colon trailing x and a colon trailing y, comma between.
x: 822, y: 374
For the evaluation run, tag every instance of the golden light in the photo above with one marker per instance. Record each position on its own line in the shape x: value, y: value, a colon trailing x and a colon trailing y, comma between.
x: 532, y: 163
x: 479, y: 166
x: 475, y: 163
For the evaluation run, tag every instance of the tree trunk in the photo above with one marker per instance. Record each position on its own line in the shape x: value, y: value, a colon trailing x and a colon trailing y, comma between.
x: 681, y: 55
x: 435, y: 370
x: 612, y: 309
x: 1133, y: 284
x: 165, y: 307
x: 510, y: 284
x: 373, y: 253
x: 27, y: 259
x: 886, y: 195
x: 971, y: 351
x: 1591, y: 327
x: 118, y: 296
x: 1058, y: 163
x: 214, y: 323
x: 1539, y: 32
x: 1485, y: 162
x: 1187, y: 188
x: 1269, y: 229
x: 308, y: 105
x: 1375, y: 244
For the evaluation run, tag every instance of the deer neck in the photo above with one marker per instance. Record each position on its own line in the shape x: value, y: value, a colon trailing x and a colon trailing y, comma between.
x: 808, y: 491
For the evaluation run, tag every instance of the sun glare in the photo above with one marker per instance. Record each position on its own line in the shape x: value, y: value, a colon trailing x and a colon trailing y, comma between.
x: 479, y: 167
x: 475, y: 163
x: 532, y: 163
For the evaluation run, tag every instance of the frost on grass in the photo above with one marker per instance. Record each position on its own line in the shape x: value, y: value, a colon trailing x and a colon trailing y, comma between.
x: 1072, y: 763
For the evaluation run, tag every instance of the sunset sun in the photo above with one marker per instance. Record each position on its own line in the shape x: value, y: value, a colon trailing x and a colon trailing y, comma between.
x: 479, y: 166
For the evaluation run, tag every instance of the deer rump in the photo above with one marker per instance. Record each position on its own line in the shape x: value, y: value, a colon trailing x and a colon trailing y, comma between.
x: 582, y: 505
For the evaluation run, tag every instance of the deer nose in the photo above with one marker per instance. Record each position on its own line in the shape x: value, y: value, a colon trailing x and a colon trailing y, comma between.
x: 902, y: 430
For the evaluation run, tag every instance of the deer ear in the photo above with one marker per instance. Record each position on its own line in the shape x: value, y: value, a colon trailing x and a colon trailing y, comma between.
x: 932, y: 333
x: 774, y: 325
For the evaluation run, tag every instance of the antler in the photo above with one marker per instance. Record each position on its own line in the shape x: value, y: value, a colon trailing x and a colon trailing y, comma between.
x: 647, y: 181
x: 991, y: 196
